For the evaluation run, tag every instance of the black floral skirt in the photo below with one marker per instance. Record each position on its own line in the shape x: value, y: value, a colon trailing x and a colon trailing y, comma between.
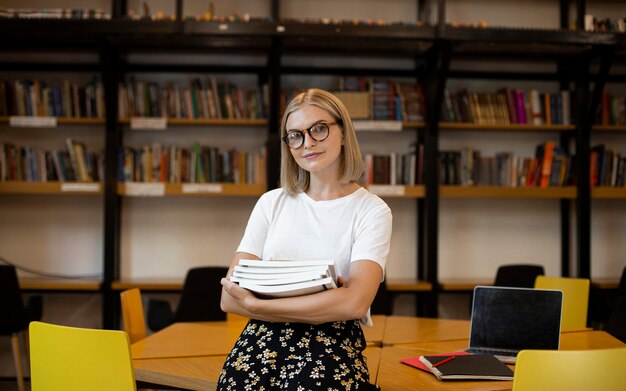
x: 298, y: 357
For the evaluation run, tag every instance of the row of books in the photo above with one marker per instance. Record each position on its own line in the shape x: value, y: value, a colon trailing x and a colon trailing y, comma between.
x: 207, y: 99
x: 395, y: 168
x: 390, y: 99
x: 607, y: 167
x: 507, y: 106
x: 76, y: 163
x: 612, y: 110
x: 39, y: 98
x: 549, y: 167
x: 53, y: 13
x: 593, y: 23
x: 198, y: 164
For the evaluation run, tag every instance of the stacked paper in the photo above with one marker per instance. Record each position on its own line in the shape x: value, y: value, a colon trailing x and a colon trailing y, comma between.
x: 285, y: 278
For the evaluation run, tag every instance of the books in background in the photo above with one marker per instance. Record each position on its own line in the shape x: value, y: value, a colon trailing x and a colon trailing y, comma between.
x: 507, y: 106
x: 285, y: 278
x: 611, y: 110
x: 76, y: 163
x: 607, y: 167
x: 374, y: 98
x: 39, y: 98
x: 466, y: 367
x: 205, y: 98
x: 198, y: 164
x: 395, y: 168
x: 549, y: 167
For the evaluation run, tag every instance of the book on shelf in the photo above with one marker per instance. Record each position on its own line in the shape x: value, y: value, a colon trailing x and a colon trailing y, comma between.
x: 466, y: 367
x: 274, y: 279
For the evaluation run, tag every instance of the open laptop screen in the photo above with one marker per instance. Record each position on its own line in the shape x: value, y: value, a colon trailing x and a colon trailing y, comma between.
x: 515, y: 318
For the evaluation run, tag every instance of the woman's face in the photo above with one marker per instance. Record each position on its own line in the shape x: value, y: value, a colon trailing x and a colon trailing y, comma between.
x: 316, y: 157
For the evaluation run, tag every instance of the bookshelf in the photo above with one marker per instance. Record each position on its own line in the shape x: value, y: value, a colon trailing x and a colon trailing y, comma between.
x: 288, y: 49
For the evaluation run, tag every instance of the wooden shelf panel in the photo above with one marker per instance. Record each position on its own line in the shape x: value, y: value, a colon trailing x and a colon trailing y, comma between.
x: 64, y: 188
x: 408, y: 285
x: 504, y: 128
x: 49, y: 284
x: 68, y: 121
x: 191, y: 189
x: 608, y: 192
x: 567, y: 192
x: 208, y: 122
x: 397, y: 191
x: 462, y: 285
x: 609, y: 128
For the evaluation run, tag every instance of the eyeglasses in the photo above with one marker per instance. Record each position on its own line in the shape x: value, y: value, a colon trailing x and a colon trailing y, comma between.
x: 318, y: 132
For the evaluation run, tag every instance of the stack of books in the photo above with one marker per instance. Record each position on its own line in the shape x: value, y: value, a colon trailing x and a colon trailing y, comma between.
x: 285, y: 278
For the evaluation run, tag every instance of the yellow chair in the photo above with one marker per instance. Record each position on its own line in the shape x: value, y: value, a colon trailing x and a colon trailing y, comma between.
x: 133, y: 319
x: 78, y: 359
x: 570, y: 370
x: 575, y: 299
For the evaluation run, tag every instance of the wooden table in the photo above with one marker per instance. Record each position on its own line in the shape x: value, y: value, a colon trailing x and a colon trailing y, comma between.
x: 403, y: 329
x: 393, y: 375
x: 191, y: 355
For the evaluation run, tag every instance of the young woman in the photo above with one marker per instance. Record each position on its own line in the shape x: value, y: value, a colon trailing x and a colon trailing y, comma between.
x: 311, y: 342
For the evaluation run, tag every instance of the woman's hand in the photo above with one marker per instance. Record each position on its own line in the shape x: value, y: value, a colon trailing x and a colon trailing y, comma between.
x: 233, y: 294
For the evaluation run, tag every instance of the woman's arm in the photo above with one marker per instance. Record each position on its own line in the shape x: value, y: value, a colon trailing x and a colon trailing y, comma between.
x: 227, y: 303
x: 351, y: 301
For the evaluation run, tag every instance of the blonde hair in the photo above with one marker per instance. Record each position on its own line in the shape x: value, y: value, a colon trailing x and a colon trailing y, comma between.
x: 292, y: 177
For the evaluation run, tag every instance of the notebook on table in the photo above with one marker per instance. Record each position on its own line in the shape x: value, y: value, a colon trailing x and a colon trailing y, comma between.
x: 507, y: 320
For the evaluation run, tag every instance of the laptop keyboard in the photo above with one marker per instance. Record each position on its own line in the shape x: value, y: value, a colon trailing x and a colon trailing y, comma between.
x: 495, y: 352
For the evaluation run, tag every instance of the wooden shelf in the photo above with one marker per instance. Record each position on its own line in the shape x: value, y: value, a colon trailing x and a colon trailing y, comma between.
x: 503, y: 128
x: 605, y: 283
x: 566, y: 192
x: 208, y: 122
x: 68, y: 121
x: 397, y: 191
x: 462, y: 285
x: 49, y: 284
x: 608, y: 128
x: 190, y: 189
x: 147, y: 284
x: 408, y: 285
x: 65, y: 188
x: 608, y: 192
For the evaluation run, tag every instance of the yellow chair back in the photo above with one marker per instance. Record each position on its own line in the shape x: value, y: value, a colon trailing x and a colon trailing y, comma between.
x: 133, y: 319
x: 570, y: 370
x: 77, y: 359
x: 575, y: 299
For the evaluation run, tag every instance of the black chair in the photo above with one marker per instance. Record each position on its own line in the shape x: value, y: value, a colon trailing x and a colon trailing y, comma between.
x: 383, y: 302
x: 200, y: 300
x: 15, y: 316
x: 518, y: 276
x: 514, y: 275
x: 616, y: 324
x: 603, y: 302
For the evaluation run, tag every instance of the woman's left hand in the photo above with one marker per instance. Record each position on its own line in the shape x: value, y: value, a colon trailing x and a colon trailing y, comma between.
x: 239, y: 296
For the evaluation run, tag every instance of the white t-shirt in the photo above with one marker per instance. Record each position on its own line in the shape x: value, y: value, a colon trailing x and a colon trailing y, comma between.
x: 347, y: 229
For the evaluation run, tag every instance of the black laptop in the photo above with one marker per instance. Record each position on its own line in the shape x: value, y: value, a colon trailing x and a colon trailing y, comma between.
x: 506, y: 320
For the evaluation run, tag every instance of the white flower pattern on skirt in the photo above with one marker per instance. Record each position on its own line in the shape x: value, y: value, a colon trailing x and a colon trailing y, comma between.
x: 298, y: 357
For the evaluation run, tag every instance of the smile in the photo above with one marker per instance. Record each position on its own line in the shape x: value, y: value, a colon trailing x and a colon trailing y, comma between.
x: 312, y: 155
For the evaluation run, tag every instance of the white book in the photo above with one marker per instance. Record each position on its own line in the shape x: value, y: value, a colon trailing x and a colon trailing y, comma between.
x: 278, y: 270
x: 285, y: 278
x: 289, y: 290
x: 281, y: 279
x: 283, y: 266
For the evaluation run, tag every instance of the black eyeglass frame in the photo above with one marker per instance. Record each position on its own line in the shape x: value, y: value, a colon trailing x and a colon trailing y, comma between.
x: 308, y: 130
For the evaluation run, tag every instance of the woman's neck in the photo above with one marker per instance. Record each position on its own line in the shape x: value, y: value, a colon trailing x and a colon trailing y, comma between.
x: 321, y: 191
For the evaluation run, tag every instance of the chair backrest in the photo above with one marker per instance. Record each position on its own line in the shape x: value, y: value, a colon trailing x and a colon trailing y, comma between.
x: 616, y: 323
x: 575, y: 299
x: 133, y: 319
x: 621, y: 290
x: 571, y: 370
x: 13, y: 315
x: 518, y: 275
x: 73, y: 359
x: 383, y: 303
x: 202, y: 291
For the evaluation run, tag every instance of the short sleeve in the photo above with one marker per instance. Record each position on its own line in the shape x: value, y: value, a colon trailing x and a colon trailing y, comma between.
x: 254, y: 237
x: 373, y: 235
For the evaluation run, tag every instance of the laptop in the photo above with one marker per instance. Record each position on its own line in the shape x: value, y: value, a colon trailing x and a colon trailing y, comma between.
x: 506, y: 320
